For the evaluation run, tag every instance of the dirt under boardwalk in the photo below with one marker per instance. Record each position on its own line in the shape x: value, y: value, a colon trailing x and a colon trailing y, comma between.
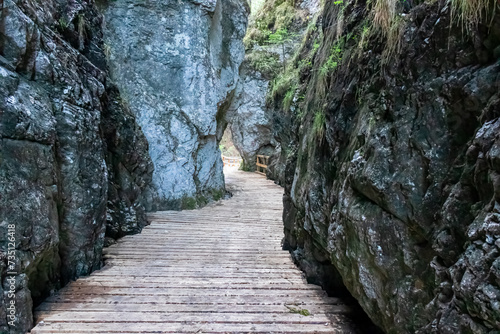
x: 219, y: 269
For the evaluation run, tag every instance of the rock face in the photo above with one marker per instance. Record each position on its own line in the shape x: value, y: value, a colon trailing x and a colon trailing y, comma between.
x: 72, y: 156
x: 249, y: 119
x: 176, y: 63
x: 392, y: 183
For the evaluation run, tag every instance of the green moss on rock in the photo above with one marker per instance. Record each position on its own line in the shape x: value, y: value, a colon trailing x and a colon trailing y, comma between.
x: 189, y: 203
x: 267, y: 63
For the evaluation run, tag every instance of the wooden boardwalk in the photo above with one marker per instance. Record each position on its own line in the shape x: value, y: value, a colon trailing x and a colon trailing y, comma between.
x: 219, y: 269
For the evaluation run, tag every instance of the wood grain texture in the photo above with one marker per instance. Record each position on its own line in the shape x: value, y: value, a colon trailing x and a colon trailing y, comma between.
x: 219, y: 269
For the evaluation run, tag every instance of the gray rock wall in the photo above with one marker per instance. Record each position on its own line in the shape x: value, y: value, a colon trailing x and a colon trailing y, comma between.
x: 392, y: 188
x: 176, y: 63
x: 71, y: 156
x: 249, y: 119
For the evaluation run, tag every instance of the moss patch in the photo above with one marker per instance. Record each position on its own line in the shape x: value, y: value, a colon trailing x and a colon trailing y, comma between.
x: 267, y: 63
x: 283, y: 83
x: 189, y: 203
x: 218, y: 194
x: 300, y: 311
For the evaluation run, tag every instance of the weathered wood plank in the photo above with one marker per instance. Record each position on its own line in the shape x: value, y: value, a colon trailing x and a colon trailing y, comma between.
x: 203, y: 300
x: 123, y: 328
x: 219, y: 269
x: 173, y: 317
x: 127, y: 283
x: 190, y: 308
x: 198, y: 280
x: 159, y: 292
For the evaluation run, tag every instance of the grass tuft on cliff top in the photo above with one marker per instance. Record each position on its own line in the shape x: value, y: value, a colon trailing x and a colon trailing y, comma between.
x: 319, y: 124
x: 384, y: 13
x: 470, y: 13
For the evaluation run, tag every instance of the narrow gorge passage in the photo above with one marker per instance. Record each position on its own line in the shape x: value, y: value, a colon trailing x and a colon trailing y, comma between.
x: 219, y: 269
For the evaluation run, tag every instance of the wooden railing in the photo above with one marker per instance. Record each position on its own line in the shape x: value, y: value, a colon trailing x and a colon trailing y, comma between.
x: 231, y: 161
x: 262, y: 163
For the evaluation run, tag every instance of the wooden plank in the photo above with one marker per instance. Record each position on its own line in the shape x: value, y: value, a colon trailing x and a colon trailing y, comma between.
x: 96, y: 328
x: 168, y: 264
x: 284, y: 272
x: 219, y: 269
x: 127, y: 283
x: 202, y: 292
x: 202, y: 300
x: 197, y: 280
x: 197, y: 260
x: 176, y: 317
x: 188, y: 308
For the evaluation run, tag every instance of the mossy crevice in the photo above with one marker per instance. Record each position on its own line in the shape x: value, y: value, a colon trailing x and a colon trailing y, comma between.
x: 201, y: 200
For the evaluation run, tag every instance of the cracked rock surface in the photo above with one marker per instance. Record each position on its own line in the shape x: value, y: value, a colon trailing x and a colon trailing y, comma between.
x: 398, y: 198
x: 176, y: 63
x: 73, y: 161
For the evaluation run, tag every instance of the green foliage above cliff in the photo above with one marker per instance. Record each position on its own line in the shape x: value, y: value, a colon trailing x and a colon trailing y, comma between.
x: 334, y: 43
x: 274, y: 16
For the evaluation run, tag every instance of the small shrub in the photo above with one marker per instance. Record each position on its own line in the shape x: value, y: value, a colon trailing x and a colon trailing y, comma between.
x: 299, y: 114
x: 334, y: 60
x: 315, y: 47
x: 279, y: 36
x: 188, y: 203
x: 256, y: 36
x: 363, y: 39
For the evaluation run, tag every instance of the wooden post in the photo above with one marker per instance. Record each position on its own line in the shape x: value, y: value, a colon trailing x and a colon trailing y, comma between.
x: 262, y: 163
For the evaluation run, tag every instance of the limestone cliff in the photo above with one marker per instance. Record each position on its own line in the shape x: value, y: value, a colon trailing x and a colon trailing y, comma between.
x: 176, y: 63
x: 248, y: 118
x: 391, y: 151
x: 275, y: 31
x: 73, y: 161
